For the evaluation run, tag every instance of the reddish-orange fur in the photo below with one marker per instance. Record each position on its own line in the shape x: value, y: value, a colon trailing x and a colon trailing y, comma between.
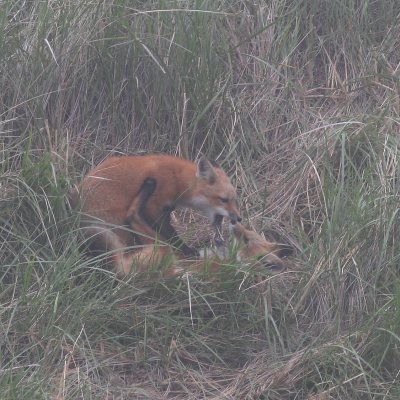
x: 108, y: 198
x: 252, y: 247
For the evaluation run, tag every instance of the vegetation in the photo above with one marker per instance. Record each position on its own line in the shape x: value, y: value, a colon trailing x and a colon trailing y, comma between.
x: 299, y: 101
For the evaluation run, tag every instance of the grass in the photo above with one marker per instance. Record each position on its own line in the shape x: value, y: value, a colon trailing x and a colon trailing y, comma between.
x: 299, y: 102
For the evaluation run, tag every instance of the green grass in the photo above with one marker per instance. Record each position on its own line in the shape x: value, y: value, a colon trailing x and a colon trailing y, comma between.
x: 300, y: 103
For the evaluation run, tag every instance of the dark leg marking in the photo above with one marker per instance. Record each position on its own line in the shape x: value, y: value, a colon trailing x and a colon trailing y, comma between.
x: 163, y: 224
x: 138, y: 207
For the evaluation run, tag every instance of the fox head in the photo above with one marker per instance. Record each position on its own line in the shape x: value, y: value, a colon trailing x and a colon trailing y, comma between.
x: 214, y: 194
x: 256, y: 248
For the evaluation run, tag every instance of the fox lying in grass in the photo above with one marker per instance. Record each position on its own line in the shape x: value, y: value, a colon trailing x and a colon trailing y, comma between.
x: 107, y: 196
x: 154, y: 256
x: 251, y: 248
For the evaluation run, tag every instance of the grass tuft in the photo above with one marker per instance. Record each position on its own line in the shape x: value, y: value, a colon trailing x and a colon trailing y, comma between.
x: 299, y: 102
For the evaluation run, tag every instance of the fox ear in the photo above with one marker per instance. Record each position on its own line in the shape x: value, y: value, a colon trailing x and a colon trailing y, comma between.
x: 206, y: 171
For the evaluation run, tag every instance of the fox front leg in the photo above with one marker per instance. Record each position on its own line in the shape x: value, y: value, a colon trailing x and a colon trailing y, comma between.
x: 164, y: 227
x: 143, y: 217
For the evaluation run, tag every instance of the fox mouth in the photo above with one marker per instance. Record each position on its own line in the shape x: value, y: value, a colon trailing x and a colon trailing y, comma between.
x: 218, y: 240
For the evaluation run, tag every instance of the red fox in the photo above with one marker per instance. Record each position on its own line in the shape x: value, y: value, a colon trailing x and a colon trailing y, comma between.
x: 251, y: 248
x: 108, y: 199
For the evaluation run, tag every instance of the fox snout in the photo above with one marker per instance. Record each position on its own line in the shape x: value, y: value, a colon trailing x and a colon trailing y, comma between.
x: 234, y: 214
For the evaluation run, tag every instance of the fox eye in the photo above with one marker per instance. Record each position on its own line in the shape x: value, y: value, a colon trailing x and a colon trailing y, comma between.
x: 224, y: 199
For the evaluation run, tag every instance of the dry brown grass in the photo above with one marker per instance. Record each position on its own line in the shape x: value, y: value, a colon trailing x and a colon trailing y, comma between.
x: 299, y: 102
